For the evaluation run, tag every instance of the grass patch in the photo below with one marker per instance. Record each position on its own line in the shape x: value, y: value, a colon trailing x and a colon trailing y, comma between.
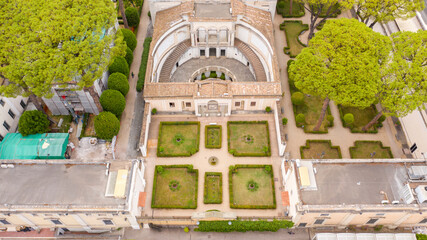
x: 65, y: 126
x: 248, y: 139
x: 311, y: 108
x: 243, y: 226
x: 365, y: 149
x: 178, y: 139
x: 361, y: 118
x: 175, y: 186
x: 143, y: 66
x: 213, y: 136
x: 292, y: 30
x: 242, y: 195
x: 318, y: 149
x: 284, y: 9
x: 213, y: 188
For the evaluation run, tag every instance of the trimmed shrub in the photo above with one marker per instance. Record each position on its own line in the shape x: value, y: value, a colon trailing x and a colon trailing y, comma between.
x: 281, y: 4
x: 149, y: 14
x: 129, y: 56
x: 113, y: 101
x: 119, y: 65
x: 106, y: 125
x: 186, y: 229
x: 348, y: 118
x: 118, y: 81
x: 143, y: 66
x: 203, y: 76
x: 268, y: 109
x: 132, y: 16
x: 297, y: 98
x: 129, y: 38
x: 213, y: 74
x: 300, y: 118
x: 381, y: 119
x: 330, y: 119
x: 222, y: 76
x: 32, y: 122
x: 284, y: 121
x: 243, y: 226
x: 154, y: 111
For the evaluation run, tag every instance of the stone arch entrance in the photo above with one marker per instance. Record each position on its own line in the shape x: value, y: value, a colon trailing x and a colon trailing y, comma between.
x: 213, y: 105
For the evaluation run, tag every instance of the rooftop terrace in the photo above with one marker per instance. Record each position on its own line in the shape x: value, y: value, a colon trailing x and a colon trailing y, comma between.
x: 213, y: 10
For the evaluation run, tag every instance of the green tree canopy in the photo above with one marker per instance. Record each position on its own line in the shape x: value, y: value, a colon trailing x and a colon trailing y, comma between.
x: 386, y: 10
x: 342, y: 63
x: 106, y: 125
x: 132, y: 16
x: 119, y: 82
x: 129, y: 56
x: 129, y: 38
x: 113, y: 101
x: 120, y: 65
x: 55, y: 43
x: 32, y: 122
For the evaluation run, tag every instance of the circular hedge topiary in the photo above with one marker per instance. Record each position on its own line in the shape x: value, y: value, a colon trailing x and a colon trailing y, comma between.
x: 113, y: 101
x: 106, y: 125
x: 119, y: 65
x: 300, y: 118
x: 132, y: 16
x: 118, y: 81
x: 129, y: 56
x: 297, y: 98
x: 129, y: 38
x: 32, y: 122
x: 348, y: 118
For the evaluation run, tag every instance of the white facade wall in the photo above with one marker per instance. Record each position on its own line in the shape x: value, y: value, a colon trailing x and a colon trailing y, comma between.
x: 14, y: 106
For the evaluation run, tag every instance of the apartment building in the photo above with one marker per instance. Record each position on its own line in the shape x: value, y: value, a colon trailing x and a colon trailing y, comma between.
x: 10, y: 111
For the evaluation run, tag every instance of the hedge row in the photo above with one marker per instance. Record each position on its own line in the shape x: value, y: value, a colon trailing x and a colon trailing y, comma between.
x: 143, y: 66
x: 365, y: 141
x: 282, y: 27
x: 243, y: 226
x: 234, y: 169
x: 285, y: 12
x: 207, y: 127
x: 190, y: 169
x: 216, y: 174
x: 237, y: 154
x: 307, y: 146
x: 354, y: 130
x: 159, y: 154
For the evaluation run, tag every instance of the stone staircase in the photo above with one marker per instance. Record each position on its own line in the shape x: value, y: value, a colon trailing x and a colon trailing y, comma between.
x: 253, y: 59
x: 170, y: 62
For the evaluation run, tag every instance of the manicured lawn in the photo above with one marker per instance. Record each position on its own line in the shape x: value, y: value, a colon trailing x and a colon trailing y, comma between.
x: 213, y: 135
x: 251, y: 187
x: 248, y: 138
x: 178, y: 139
x: 297, y: 9
x: 320, y: 149
x: 364, y: 149
x: 361, y: 117
x: 175, y: 187
x: 292, y: 30
x: 213, y: 188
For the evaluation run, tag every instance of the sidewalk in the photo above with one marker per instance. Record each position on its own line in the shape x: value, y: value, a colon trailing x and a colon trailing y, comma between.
x: 128, y: 113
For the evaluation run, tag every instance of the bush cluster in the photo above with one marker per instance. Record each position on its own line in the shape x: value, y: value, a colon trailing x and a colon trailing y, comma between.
x: 106, y: 125
x: 348, y: 119
x: 113, y: 101
x: 32, y: 122
x: 284, y: 121
x: 129, y: 38
x: 118, y: 81
x: 132, y: 16
x: 297, y: 98
x: 120, y: 65
x: 143, y: 66
x: 129, y: 56
x: 268, y: 109
x: 300, y: 119
x: 243, y: 226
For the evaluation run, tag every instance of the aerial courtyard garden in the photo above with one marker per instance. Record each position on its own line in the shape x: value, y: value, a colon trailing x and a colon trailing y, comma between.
x: 319, y: 149
x: 293, y: 29
x: 248, y: 138
x: 370, y: 149
x: 178, y: 139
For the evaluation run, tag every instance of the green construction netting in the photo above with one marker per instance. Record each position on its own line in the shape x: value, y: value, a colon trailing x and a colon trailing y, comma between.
x: 37, y: 146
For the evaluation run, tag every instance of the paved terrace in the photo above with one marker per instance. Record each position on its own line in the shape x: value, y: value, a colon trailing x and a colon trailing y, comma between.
x: 355, y: 184
x: 241, y: 72
x: 212, y: 10
x: 200, y: 162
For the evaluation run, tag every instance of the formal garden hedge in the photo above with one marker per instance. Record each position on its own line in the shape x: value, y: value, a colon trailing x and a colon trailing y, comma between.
x: 213, y: 136
x: 243, y: 226
x: 130, y: 38
x: 129, y: 56
x: 120, y: 65
x: 283, y: 8
x: 363, y: 149
x: 106, y: 125
x: 190, y: 148
x: 267, y: 169
x: 113, y: 101
x: 293, y: 29
x: 336, y: 149
x: 143, y: 66
x: 212, y: 193
x: 118, y: 81
x: 266, y: 150
x: 361, y: 118
x: 180, y: 198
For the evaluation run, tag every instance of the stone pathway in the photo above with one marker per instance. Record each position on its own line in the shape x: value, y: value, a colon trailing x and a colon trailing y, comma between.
x: 339, y: 135
x: 128, y: 113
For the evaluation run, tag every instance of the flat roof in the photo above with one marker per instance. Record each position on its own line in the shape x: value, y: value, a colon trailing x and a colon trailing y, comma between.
x: 213, y: 10
x: 56, y: 184
x: 355, y: 183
